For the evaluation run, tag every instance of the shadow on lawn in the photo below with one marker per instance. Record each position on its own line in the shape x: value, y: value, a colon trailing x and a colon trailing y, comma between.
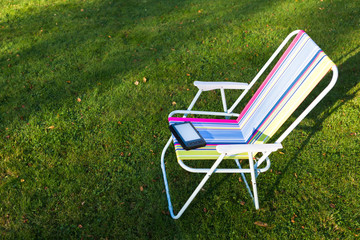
x: 69, y: 50
x: 61, y: 52
x: 347, y: 80
x: 80, y: 47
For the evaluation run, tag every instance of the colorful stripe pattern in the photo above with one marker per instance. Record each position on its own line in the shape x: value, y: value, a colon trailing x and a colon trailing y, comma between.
x: 214, y: 131
x: 296, y: 74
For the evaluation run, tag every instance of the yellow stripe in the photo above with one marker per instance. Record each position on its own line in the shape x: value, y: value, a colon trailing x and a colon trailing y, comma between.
x: 273, y: 81
x: 313, y: 79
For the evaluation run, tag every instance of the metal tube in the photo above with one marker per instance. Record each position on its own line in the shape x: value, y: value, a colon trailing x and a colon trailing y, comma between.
x: 311, y: 106
x: 203, y: 113
x: 219, y: 170
x: 253, y: 180
x: 193, y: 101
x: 244, y: 179
x: 201, y: 184
x: 263, y: 69
x: 223, y: 99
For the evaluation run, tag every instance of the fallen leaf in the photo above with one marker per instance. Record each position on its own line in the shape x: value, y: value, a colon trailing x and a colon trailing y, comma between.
x: 141, y: 188
x: 261, y: 224
x: 173, y: 103
x: 165, y: 212
x: 78, y: 99
x: 51, y: 127
x: 22, y: 180
x: 144, y: 79
x: 136, y: 83
x: 332, y: 205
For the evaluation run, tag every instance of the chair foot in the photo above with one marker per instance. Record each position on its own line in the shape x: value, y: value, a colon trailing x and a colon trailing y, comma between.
x: 196, y: 191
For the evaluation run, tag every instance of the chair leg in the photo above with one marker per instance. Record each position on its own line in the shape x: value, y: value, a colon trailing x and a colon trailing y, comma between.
x: 244, y: 179
x: 253, y: 180
x: 196, y: 191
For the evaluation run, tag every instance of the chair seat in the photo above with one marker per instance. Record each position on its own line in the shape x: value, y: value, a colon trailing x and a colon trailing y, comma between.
x: 215, y: 132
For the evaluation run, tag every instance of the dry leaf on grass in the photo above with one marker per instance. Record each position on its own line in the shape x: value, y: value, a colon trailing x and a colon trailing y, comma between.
x: 261, y: 224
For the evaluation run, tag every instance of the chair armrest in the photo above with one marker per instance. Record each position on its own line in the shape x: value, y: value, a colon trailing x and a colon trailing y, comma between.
x: 203, y: 113
x: 207, y: 86
x: 241, y: 148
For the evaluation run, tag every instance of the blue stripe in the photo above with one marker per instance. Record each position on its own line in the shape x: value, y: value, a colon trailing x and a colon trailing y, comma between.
x: 284, y: 94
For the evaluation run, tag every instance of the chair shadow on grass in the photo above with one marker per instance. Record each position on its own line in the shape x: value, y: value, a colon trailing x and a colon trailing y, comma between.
x: 347, y: 80
x: 118, y: 64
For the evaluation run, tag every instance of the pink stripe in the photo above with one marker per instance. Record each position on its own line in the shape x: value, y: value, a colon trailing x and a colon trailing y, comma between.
x: 178, y: 144
x: 295, y: 85
x: 286, y: 95
x: 270, y: 75
x: 180, y: 119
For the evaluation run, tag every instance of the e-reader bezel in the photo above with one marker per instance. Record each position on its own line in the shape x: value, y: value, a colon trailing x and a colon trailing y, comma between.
x: 187, y: 145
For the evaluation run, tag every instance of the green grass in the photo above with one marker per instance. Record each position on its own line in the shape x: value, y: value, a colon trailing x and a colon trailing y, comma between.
x: 80, y: 142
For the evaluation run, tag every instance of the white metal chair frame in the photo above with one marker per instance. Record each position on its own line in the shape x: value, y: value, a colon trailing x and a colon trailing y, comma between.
x: 266, y: 149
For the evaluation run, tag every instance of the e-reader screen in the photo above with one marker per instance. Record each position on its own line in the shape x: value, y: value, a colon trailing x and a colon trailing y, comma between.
x: 188, y: 133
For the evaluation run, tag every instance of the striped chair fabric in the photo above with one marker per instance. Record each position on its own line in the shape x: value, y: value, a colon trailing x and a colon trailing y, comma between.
x: 295, y: 75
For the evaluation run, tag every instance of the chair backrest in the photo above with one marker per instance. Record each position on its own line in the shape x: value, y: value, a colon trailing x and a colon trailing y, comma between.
x: 295, y: 75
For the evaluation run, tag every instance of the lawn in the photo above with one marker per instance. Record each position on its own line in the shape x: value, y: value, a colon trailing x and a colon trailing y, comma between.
x: 85, y: 90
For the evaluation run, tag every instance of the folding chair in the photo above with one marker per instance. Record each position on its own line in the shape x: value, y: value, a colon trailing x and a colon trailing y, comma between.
x: 295, y: 75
